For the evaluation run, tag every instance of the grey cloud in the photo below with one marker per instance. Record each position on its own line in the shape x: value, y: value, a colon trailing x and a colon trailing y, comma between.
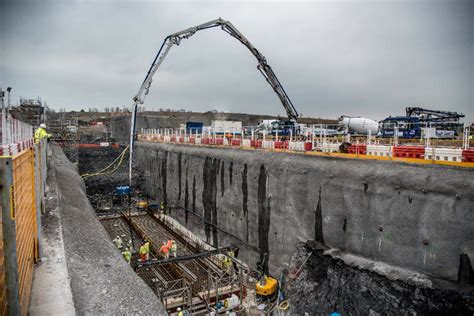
x: 350, y: 57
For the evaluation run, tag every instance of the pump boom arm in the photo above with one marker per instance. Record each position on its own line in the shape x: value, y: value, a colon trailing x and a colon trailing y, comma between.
x: 263, y: 66
x: 433, y: 115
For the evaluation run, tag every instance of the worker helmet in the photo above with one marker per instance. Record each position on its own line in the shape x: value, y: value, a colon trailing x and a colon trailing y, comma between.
x: 179, y: 309
x: 42, y: 125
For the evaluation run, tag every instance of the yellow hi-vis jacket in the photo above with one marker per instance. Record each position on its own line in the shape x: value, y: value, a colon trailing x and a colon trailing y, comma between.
x: 143, y: 250
x: 127, y: 255
x: 41, y: 133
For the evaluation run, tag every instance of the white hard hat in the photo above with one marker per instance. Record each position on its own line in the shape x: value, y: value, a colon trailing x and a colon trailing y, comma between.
x: 179, y: 309
x: 43, y: 125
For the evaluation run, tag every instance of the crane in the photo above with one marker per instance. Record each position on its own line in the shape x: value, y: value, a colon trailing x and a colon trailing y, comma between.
x: 432, y: 115
x: 226, y: 26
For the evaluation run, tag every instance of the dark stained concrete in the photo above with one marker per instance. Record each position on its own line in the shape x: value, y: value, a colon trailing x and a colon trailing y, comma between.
x: 414, y: 216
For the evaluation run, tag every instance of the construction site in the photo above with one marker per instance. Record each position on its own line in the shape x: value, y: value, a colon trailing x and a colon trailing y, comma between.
x: 174, y: 212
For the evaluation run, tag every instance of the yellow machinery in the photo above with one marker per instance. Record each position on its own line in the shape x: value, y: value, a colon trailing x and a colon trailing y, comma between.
x: 266, y: 288
x: 142, y: 204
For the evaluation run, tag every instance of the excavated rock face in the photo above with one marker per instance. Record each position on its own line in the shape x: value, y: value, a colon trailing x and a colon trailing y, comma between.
x: 92, y: 160
x: 325, y: 285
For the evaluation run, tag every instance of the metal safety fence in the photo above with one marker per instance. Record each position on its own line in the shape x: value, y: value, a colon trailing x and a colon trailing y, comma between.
x: 22, y: 182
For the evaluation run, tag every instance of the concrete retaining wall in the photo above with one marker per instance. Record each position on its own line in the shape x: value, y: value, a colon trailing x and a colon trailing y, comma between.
x: 414, y: 216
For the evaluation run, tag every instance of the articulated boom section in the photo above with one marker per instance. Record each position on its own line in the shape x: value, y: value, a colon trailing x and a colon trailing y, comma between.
x: 433, y: 115
x: 263, y: 67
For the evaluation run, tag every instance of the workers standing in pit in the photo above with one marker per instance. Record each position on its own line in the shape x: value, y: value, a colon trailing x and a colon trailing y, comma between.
x: 143, y: 252
x: 164, y: 250
x: 127, y: 255
x: 174, y: 248
x: 41, y: 133
x: 226, y: 264
x: 118, y: 242
x: 162, y: 207
x: 147, y: 248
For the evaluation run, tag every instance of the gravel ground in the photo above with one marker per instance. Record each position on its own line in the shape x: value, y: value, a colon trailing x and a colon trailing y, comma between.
x: 101, y: 281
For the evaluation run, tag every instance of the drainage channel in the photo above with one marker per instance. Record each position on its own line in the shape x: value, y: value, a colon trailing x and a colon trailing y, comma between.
x: 195, y: 285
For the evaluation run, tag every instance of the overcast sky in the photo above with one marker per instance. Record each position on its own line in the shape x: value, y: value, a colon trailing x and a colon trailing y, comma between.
x: 369, y: 58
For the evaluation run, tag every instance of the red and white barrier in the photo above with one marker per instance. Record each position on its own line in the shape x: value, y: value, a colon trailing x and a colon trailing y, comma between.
x: 379, y: 150
x: 398, y: 151
x: 443, y: 154
x: 468, y: 155
x: 246, y: 143
x: 15, y: 135
x: 298, y: 146
x: 236, y: 142
x: 330, y: 147
x: 357, y: 149
x: 267, y: 144
x: 414, y: 152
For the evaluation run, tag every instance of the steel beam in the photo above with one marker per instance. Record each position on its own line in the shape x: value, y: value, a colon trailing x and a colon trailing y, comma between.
x: 154, y: 262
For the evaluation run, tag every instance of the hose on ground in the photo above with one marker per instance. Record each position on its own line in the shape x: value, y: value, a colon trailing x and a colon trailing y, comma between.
x: 104, y: 171
x: 283, y: 306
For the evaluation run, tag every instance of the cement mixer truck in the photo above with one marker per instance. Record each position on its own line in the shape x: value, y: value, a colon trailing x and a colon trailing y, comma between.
x: 359, y: 125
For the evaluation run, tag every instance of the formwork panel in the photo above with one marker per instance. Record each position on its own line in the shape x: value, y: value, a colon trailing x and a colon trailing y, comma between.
x: 25, y: 222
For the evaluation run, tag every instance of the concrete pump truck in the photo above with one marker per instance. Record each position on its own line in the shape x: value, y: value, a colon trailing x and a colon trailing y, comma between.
x: 266, y: 286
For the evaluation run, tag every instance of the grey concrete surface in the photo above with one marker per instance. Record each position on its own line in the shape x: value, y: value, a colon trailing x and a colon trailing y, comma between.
x: 102, y: 282
x: 50, y: 278
x: 419, y: 217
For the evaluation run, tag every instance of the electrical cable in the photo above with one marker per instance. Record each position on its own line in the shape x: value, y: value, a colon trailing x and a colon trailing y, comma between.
x: 104, y: 170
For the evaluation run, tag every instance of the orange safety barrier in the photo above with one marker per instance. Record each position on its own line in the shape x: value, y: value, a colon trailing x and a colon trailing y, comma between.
x: 468, y: 155
x: 358, y: 149
x: 205, y: 141
x: 219, y: 141
x: 415, y: 152
x: 25, y: 222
